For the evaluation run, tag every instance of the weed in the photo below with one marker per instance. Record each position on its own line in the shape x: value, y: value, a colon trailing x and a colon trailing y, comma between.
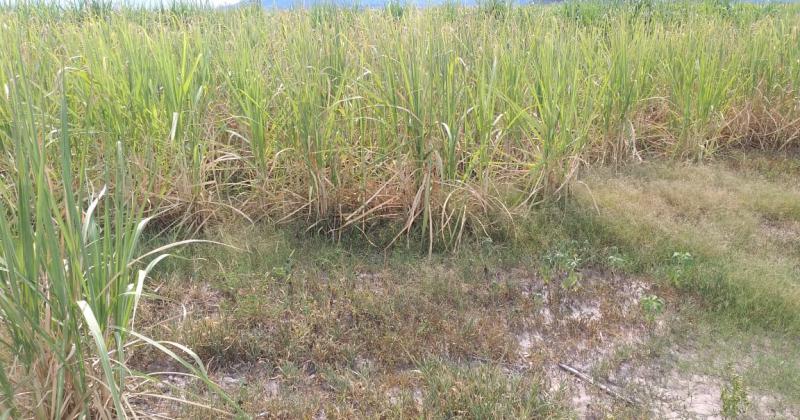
x: 652, y: 306
x: 565, y: 261
x: 617, y: 262
x: 734, y: 396
x: 680, y: 264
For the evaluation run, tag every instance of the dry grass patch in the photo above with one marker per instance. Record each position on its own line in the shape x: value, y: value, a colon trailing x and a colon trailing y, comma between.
x: 305, y: 326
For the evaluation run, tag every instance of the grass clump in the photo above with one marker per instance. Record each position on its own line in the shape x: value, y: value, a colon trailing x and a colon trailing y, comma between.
x: 483, y: 392
x: 734, y: 397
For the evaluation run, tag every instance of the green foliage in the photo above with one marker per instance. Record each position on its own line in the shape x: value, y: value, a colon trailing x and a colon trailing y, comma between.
x: 568, y: 255
x: 71, y: 278
x: 497, y: 9
x: 396, y: 9
x: 652, y: 306
x: 444, y: 121
x: 679, y: 268
x: 733, y: 396
x: 571, y: 281
x: 617, y: 261
x: 564, y: 262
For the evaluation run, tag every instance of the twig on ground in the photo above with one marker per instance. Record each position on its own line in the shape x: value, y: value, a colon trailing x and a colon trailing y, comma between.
x: 586, y: 378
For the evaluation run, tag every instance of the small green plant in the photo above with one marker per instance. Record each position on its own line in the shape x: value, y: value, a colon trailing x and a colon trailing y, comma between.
x: 284, y: 271
x: 617, y: 262
x: 562, y: 260
x: 652, y: 306
x: 682, y: 257
x: 680, y: 265
x: 565, y: 262
x: 567, y: 256
x: 558, y: 262
x: 734, y: 396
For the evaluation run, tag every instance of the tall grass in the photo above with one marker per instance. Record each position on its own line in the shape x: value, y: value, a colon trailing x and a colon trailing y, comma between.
x: 71, y: 276
x: 442, y: 119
